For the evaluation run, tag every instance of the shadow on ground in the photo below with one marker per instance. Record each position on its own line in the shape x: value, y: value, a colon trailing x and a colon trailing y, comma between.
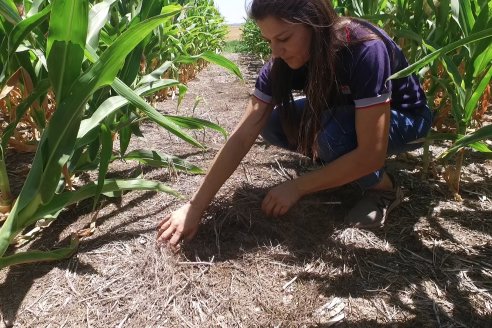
x: 20, y: 279
x: 436, y: 285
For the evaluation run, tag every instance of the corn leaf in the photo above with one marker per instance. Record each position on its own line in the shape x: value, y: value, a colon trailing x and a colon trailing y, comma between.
x: 477, y: 94
x: 67, y: 198
x: 9, y: 11
x: 32, y: 7
x: 98, y: 16
x: 480, y: 146
x: 153, y: 114
x: 467, y: 17
x: 214, y: 59
x: 125, y: 132
x: 23, y: 28
x: 156, y: 74
x: 40, y: 256
x: 106, y: 154
x: 66, y: 44
x: 479, y: 135
x: 482, y: 60
x: 432, y: 56
x: 157, y: 159
x: 128, y: 74
x: 195, y: 123
x: 112, y: 104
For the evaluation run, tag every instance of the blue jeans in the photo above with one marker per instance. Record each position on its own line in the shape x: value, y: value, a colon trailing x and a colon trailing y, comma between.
x: 338, y: 135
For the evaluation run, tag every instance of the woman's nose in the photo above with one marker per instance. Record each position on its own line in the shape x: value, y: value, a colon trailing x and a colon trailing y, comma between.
x: 277, y: 50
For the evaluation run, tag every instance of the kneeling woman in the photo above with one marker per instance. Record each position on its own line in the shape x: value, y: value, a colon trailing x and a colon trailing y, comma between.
x: 351, y: 118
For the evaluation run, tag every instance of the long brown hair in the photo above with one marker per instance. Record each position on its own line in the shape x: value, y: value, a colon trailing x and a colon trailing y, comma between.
x: 328, y: 37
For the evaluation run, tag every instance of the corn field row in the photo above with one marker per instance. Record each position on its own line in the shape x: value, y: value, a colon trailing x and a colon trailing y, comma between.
x: 77, y: 77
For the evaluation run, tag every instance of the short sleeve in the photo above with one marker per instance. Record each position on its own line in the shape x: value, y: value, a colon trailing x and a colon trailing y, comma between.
x: 369, y: 81
x: 263, y: 86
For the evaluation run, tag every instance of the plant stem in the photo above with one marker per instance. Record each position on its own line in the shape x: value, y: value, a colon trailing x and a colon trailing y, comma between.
x: 459, y: 166
x: 426, y: 157
x: 5, y: 194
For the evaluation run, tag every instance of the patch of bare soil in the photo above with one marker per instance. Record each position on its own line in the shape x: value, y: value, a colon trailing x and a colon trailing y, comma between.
x: 234, y: 33
x: 430, y: 266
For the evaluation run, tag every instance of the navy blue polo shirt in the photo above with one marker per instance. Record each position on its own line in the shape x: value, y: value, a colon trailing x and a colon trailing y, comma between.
x: 362, y: 73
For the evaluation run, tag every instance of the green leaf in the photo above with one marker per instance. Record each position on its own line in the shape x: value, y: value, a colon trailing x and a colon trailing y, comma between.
x: 482, y: 61
x: 467, y: 17
x: 128, y: 74
x: 480, y: 147
x: 98, y: 16
x: 153, y: 114
x: 33, y: 8
x: 66, y: 44
x: 112, y: 104
x: 157, y: 159
x: 40, y: 256
x: 156, y: 74
x: 9, y: 11
x: 23, y: 28
x: 479, y: 135
x: 432, y: 56
x: 114, y: 57
x: 455, y: 76
x: 65, y: 199
x: 125, y: 133
x: 214, y: 59
x: 106, y: 154
x: 196, y: 123
x: 471, y: 105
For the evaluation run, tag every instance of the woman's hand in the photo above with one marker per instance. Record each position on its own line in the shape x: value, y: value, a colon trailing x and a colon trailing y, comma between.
x: 280, y: 199
x: 179, y: 225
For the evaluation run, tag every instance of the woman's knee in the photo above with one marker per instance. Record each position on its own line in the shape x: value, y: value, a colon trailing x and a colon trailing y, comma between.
x: 273, y: 133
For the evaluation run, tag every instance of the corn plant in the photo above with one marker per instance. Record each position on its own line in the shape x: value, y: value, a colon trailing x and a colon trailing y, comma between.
x: 467, y: 66
x: 84, y: 67
x: 253, y: 40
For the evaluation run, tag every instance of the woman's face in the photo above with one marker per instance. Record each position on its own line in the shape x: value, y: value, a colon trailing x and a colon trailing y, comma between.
x: 289, y: 41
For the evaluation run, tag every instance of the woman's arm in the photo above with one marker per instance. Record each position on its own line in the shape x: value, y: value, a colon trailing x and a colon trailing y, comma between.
x: 183, y: 223
x: 372, y: 128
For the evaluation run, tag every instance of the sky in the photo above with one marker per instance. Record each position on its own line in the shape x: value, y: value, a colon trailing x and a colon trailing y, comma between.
x: 233, y: 10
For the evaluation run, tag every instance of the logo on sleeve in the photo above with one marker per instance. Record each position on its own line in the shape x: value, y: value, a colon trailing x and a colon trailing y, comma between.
x: 345, y: 89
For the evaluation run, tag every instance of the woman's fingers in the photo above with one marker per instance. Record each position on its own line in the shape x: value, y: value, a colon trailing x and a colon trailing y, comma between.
x: 176, y: 238
x: 163, y: 226
x: 267, y: 205
x: 166, y: 219
x: 277, y: 211
x: 273, y: 207
x: 166, y: 234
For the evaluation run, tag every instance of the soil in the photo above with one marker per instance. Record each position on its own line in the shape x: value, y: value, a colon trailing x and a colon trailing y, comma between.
x: 234, y: 33
x: 430, y: 266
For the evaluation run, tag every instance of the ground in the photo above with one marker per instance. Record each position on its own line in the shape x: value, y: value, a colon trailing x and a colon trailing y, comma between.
x: 234, y: 32
x: 430, y: 266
